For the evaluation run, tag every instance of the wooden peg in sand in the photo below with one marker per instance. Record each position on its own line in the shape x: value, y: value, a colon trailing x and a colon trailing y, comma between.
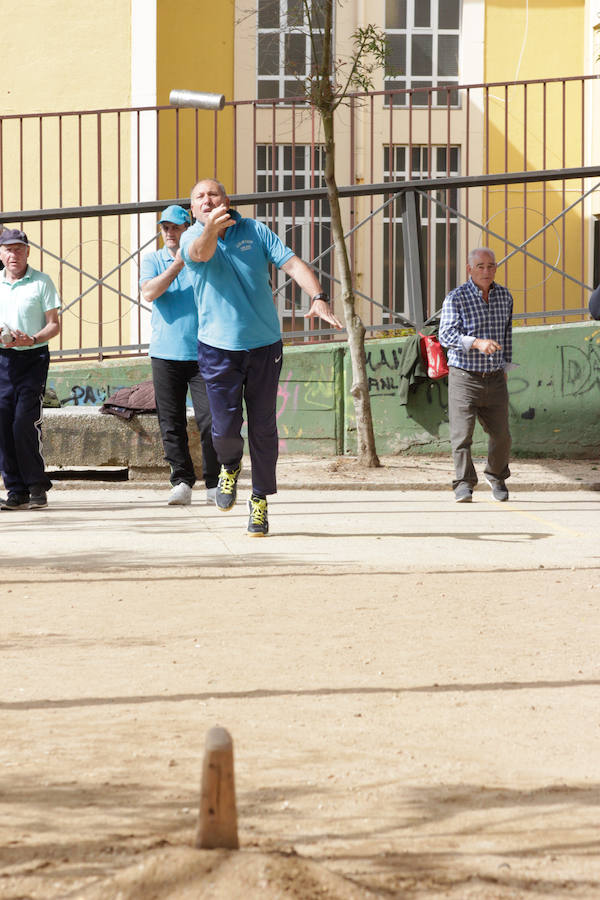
x: 217, y: 821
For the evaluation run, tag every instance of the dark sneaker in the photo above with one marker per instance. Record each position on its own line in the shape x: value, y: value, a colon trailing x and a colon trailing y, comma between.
x: 15, y: 501
x: 258, y: 523
x: 463, y: 493
x: 499, y: 489
x: 227, y: 488
x: 38, y: 501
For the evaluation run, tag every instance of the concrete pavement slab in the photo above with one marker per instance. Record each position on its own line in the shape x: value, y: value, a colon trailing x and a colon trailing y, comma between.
x: 109, y: 530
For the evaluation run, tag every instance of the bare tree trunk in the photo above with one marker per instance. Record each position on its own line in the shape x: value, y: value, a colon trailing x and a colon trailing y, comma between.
x: 365, y: 437
x: 323, y: 98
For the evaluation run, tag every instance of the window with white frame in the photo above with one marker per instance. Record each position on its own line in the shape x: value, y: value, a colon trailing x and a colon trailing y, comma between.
x: 285, y: 50
x: 303, y: 225
x: 439, y: 224
x: 422, y: 37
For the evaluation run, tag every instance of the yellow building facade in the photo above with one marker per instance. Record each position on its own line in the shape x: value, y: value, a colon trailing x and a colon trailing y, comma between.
x: 84, y: 123
x: 549, y: 125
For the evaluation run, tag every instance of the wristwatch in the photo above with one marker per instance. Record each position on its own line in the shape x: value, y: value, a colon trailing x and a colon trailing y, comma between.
x: 321, y: 296
x: 34, y: 339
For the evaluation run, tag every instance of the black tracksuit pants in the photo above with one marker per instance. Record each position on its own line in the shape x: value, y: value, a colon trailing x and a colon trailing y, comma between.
x: 171, y: 379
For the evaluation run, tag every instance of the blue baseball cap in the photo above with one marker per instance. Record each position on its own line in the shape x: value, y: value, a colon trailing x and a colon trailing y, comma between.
x: 175, y: 214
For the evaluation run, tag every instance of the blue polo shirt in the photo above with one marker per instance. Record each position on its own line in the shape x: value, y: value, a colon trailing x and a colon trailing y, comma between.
x: 233, y: 290
x: 174, y: 314
x: 24, y: 303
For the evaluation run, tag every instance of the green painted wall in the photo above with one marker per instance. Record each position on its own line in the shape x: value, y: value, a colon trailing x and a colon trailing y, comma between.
x: 554, y: 396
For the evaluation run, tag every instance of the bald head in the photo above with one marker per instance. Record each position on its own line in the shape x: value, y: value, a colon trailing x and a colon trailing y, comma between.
x: 207, y: 195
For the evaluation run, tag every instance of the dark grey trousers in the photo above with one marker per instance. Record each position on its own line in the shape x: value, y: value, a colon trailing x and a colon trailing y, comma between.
x: 474, y: 397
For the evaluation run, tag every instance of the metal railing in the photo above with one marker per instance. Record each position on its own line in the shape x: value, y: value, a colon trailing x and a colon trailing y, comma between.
x: 85, y: 184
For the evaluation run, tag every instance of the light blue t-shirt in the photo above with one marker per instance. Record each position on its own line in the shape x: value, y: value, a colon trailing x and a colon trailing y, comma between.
x: 24, y: 303
x: 233, y: 291
x: 174, y: 314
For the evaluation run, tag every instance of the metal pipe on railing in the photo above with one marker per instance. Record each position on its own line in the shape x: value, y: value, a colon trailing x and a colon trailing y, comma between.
x: 196, y: 99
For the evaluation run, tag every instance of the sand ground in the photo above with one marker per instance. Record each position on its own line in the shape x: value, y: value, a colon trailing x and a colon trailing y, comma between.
x: 411, y: 685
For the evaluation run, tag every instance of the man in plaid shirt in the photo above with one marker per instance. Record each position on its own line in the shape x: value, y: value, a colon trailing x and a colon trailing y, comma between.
x: 476, y: 330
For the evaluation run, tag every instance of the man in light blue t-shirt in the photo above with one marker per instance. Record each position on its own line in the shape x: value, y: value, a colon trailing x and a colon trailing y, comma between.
x: 29, y: 308
x: 165, y: 282
x: 239, y: 337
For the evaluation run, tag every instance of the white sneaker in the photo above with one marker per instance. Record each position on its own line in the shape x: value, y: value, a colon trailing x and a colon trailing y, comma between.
x: 181, y: 495
x: 211, y: 496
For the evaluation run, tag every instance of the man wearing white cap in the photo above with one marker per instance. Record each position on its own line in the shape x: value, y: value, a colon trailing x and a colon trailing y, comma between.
x: 29, y: 308
x: 165, y: 282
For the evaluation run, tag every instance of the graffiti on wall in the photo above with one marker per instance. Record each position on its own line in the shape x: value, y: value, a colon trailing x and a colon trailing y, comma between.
x: 382, y: 368
x: 319, y: 391
x: 87, y: 395
x: 295, y: 399
x: 580, y: 367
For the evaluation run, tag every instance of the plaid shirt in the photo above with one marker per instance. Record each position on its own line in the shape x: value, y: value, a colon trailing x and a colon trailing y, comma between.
x: 466, y: 316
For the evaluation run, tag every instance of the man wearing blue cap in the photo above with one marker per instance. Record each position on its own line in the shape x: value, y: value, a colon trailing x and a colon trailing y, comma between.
x: 29, y: 308
x: 165, y: 282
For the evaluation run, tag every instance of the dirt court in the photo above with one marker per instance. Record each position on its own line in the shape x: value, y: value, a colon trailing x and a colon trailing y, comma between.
x: 397, y: 732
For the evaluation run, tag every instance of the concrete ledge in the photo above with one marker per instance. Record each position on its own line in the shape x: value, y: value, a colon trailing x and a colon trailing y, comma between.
x: 83, y: 436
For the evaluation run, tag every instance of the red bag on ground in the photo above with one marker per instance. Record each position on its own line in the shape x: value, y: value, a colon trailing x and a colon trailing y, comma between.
x: 433, y: 356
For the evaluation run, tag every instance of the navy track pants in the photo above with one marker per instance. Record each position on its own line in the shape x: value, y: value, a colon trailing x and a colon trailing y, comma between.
x: 250, y: 377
